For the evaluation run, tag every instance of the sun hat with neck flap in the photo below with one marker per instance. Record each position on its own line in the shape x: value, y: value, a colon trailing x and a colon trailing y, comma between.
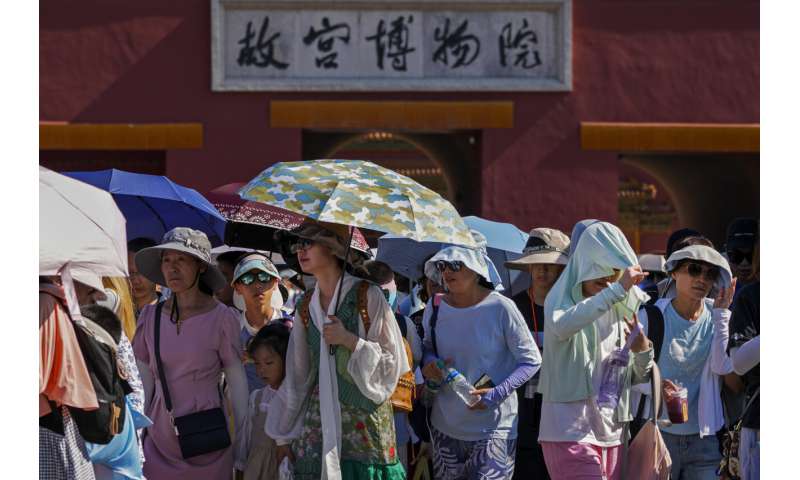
x: 474, y: 258
x: 181, y: 239
x: 598, y: 250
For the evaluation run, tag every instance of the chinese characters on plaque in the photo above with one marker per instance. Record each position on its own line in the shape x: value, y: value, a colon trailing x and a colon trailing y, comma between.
x: 365, y: 49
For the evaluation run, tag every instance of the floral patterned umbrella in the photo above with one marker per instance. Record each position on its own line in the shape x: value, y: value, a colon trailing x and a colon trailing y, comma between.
x: 360, y: 194
x: 252, y: 224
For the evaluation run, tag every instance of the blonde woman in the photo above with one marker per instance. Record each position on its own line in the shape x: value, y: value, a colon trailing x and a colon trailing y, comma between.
x: 119, y: 300
x: 126, y: 310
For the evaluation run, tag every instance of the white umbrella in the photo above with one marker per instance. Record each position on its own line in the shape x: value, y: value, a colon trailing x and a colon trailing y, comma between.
x: 81, y: 232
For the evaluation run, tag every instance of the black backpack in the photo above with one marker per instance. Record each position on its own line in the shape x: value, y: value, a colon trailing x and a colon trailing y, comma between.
x: 100, y: 426
x: 96, y: 426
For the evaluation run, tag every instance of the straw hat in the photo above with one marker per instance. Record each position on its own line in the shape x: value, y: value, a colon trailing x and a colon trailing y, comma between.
x: 545, y: 245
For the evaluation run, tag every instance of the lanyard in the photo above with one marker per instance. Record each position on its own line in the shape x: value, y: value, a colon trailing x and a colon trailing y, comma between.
x: 533, y: 317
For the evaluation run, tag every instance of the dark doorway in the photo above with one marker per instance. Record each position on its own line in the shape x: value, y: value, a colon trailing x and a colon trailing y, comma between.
x: 149, y: 161
x: 707, y: 190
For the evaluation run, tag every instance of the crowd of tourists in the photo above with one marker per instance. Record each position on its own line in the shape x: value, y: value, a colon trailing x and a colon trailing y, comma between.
x: 204, y: 365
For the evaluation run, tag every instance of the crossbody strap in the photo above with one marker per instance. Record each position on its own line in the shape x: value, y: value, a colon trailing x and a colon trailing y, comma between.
x: 401, y: 322
x: 437, y: 299
x: 362, y: 306
x: 655, y: 332
x: 159, y: 365
x: 750, y: 402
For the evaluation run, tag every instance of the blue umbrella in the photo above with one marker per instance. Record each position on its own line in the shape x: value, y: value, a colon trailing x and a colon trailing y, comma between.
x: 505, y: 242
x: 154, y: 204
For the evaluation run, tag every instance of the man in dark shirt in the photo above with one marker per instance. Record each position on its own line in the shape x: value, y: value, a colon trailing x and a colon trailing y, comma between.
x: 746, y: 326
x: 743, y: 347
x: 544, y: 257
x: 740, y: 242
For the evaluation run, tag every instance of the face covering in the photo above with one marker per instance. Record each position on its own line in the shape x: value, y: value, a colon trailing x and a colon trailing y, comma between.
x: 276, y: 300
x: 238, y: 301
x: 390, y: 291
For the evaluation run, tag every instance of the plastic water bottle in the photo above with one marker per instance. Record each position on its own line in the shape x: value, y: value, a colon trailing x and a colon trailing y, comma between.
x: 613, y: 373
x: 460, y: 386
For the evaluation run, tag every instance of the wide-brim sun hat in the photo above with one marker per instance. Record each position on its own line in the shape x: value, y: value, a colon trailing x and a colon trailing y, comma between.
x: 331, y: 235
x: 702, y: 253
x: 181, y: 239
x: 545, y: 245
x: 473, y: 258
x: 651, y: 262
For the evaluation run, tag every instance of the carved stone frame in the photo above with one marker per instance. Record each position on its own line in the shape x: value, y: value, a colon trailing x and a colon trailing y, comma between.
x: 563, y: 82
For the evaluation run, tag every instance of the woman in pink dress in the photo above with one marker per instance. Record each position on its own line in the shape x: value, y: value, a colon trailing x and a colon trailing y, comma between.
x: 199, y: 342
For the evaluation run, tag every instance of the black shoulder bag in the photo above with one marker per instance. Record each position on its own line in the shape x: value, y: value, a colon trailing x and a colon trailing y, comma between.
x: 200, y: 432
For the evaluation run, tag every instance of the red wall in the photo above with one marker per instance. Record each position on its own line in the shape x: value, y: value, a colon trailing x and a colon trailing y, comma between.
x: 636, y: 60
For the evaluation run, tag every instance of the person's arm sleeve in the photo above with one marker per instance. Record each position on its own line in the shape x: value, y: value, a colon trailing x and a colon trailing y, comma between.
x: 127, y: 362
x: 244, y: 446
x: 229, y: 351
x: 642, y: 366
x: 641, y: 377
x: 519, y: 342
x: 747, y: 356
x: 148, y: 383
x: 379, y: 357
x: 237, y: 388
x: 563, y: 324
x: 285, y: 422
x: 520, y: 375
x: 720, y: 361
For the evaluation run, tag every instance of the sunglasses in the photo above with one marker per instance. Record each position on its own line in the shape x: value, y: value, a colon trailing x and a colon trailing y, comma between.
x: 302, y: 244
x: 711, y: 273
x: 441, y: 265
x: 738, y: 256
x: 250, y: 277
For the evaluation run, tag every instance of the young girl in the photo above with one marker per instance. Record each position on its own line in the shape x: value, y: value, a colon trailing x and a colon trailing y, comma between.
x: 268, y: 351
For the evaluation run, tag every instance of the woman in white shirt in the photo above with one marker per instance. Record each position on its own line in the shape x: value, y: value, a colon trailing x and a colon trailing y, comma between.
x: 336, y: 419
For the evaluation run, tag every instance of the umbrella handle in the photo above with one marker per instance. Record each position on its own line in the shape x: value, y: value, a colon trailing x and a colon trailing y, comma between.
x: 332, y: 348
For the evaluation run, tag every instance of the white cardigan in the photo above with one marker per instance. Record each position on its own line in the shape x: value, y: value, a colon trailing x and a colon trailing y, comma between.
x: 375, y: 366
x: 711, y: 415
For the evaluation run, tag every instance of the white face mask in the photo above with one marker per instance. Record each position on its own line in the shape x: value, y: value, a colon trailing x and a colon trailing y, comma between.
x: 276, y: 300
x: 238, y: 301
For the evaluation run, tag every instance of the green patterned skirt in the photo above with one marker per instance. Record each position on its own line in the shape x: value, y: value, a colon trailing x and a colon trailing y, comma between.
x: 368, y: 444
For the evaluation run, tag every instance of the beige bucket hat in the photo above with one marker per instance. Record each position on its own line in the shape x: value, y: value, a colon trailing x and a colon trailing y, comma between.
x: 186, y: 240
x: 545, y: 245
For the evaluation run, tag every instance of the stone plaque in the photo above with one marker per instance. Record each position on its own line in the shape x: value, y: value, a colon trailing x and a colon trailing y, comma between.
x: 358, y: 45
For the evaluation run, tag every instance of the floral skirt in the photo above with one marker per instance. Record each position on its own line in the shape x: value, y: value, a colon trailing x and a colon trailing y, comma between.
x: 368, y: 443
